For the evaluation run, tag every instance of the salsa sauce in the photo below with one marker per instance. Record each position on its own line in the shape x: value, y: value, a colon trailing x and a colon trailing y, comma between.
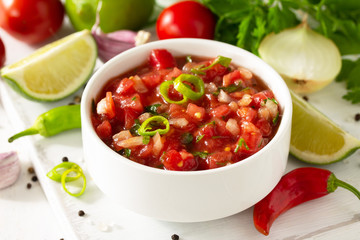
x: 236, y: 116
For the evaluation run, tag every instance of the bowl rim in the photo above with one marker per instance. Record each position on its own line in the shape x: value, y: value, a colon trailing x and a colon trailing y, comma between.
x: 286, y: 116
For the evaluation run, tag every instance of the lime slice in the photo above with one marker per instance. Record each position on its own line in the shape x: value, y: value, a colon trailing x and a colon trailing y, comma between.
x: 56, y: 70
x: 315, y: 138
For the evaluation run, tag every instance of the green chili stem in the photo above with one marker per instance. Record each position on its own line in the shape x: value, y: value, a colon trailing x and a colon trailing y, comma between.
x: 29, y: 131
x: 338, y: 183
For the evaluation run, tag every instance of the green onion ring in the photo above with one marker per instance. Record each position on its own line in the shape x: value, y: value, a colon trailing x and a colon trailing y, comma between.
x: 63, y: 181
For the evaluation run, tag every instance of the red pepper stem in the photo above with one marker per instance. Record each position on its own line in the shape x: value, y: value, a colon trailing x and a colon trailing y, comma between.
x: 333, y: 183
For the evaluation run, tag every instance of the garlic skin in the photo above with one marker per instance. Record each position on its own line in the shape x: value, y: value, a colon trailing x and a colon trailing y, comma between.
x: 9, y: 169
x: 305, y: 59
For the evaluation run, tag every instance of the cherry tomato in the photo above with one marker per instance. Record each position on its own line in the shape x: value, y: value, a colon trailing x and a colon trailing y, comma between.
x: 2, y: 53
x: 186, y: 19
x: 31, y: 21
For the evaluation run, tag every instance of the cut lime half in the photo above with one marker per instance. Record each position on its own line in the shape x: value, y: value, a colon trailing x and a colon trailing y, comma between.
x: 56, y: 70
x: 315, y: 138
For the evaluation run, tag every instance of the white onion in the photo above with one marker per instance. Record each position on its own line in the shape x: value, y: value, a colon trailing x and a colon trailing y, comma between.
x: 232, y: 126
x: 224, y: 97
x: 101, y: 107
x: 178, y: 122
x: 139, y: 84
x: 306, y: 60
x: 122, y: 136
x: 131, y: 142
x: 9, y: 169
x: 158, y: 144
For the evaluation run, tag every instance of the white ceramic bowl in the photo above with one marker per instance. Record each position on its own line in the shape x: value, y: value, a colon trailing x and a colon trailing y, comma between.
x: 186, y: 196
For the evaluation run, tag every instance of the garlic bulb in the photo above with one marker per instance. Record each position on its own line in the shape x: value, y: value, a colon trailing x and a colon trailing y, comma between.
x: 306, y: 60
x: 9, y: 169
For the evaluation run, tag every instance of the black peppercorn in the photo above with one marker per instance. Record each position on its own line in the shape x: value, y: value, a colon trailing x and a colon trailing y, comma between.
x: 34, y: 178
x: 175, y: 237
x: 65, y: 159
x: 81, y: 213
x: 305, y: 98
x: 31, y: 170
x: 357, y: 117
x: 28, y: 186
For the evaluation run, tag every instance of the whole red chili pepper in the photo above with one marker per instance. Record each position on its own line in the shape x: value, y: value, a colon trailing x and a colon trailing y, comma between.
x: 294, y: 188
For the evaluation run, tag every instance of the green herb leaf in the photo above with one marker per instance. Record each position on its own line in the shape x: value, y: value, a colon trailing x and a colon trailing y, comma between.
x: 198, y: 138
x: 135, y: 127
x: 241, y: 142
x: 186, y: 138
x: 201, y: 154
x: 152, y: 108
x: 126, y: 152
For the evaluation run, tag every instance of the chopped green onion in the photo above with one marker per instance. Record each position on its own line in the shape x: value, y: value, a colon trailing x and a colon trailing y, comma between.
x: 240, y: 143
x: 55, y: 174
x: 164, y: 91
x: 64, y: 177
x: 153, y: 121
x: 184, y: 88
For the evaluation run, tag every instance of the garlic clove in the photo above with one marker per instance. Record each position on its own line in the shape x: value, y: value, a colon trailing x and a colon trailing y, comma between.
x: 9, y: 169
x: 307, y: 60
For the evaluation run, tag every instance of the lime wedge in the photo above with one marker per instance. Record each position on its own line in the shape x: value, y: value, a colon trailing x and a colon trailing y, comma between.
x: 56, y: 70
x: 315, y: 138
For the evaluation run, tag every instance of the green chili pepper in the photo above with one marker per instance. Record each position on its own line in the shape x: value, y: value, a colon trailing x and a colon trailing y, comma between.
x: 164, y: 91
x: 53, y: 122
x: 219, y: 60
x: 55, y: 173
x: 146, y: 125
x: 68, y: 168
x: 185, y: 90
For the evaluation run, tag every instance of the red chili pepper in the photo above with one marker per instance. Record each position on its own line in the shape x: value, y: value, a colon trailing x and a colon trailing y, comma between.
x: 294, y: 188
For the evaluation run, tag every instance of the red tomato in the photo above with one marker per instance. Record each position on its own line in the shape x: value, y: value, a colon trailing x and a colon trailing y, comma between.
x: 31, y: 21
x: 186, y: 19
x: 2, y: 53
x: 104, y: 130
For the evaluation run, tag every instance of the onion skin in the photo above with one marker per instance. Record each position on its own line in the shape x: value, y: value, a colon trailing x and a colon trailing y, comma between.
x: 306, y: 60
x: 9, y: 169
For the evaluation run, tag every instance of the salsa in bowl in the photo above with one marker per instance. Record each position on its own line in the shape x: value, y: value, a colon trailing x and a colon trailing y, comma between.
x: 186, y: 130
x: 186, y: 113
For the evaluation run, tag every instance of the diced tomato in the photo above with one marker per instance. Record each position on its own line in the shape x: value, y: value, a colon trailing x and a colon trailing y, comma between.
x: 247, y: 113
x: 173, y: 74
x: 196, y: 112
x: 231, y: 77
x: 249, y: 142
x: 258, y: 100
x: 215, y: 73
x: 133, y: 102
x: 130, y: 117
x: 126, y: 86
x: 219, y: 159
x: 146, y: 150
x: 154, y: 78
x: 110, y: 106
x: 104, y: 130
x: 221, y: 111
x: 248, y: 127
x: 264, y: 127
x: 179, y: 161
x: 161, y: 59
x: 173, y: 94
